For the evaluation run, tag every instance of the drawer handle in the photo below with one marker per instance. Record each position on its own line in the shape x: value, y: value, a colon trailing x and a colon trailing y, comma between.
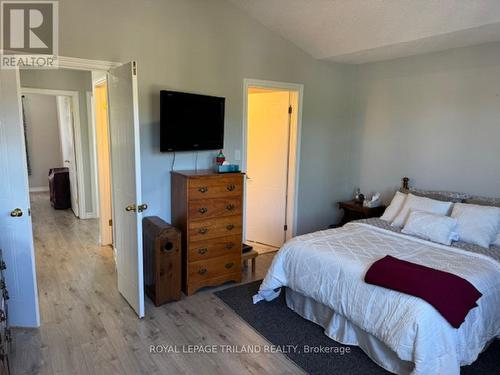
x: 203, y: 189
x: 202, y: 251
x: 231, y: 187
x: 202, y: 230
x: 229, y: 245
x: 202, y: 210
x: 230, y: 207
x: 229, y: 265
x: 230, y: 227
x: 202, y: 271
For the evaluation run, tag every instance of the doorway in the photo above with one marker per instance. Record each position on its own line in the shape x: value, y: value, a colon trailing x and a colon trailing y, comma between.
x: 52, y: 128
x: 271, y: 149
x: 100, y: 106
x: 17, y: 239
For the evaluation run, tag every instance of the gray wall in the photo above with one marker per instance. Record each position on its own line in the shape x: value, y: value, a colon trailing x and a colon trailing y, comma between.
x: 44, y: 142
x: 71, y: 80
x: 209, y: 47
x: 434, y: 118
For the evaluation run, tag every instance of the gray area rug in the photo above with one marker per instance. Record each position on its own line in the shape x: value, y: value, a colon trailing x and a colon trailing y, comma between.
x: 281, y: 326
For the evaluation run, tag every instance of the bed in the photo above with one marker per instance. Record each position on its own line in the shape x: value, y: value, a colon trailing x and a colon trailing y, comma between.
x: 323, y: 273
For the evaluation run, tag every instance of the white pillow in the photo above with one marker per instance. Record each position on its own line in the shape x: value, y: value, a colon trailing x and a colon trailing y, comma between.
x: 421, y: 204
x: 477, y: 224
x: 437, y: 228
x: 392, y: 211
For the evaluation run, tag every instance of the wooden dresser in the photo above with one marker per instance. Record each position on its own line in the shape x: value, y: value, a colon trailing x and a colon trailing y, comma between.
x: 207, y: 208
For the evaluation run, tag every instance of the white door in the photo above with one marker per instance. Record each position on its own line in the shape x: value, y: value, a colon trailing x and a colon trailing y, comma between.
x: 16, y: 238
x: 126, y: 182
x: 65, y: 119
x: 267, y: 166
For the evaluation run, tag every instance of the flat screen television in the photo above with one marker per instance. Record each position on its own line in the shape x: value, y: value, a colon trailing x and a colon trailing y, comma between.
x: 191, y: 122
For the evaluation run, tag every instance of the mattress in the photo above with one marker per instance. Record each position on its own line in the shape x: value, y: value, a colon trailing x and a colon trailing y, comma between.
x: 343, y: 331
x: 329, y: 266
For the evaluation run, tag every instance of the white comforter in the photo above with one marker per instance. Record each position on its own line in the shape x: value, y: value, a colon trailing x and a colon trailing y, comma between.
x: 329, y: 266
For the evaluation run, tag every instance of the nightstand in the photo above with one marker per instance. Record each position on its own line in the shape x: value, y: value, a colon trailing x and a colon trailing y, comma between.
x: 355, y: 211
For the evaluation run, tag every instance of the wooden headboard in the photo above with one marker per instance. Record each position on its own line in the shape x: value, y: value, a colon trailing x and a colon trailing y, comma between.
x: 448, y: 195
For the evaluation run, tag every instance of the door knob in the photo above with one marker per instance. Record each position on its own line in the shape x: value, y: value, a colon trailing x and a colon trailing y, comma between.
x: 131, y: 207
x: 16, y: 213
x: 134, y: 208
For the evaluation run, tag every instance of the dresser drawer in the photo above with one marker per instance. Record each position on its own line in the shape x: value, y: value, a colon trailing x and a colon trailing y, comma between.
x: 219, y: 187
x: 201, y: 230
x: 215, y: 247
x: 216, y: 207
x: 215, y: 267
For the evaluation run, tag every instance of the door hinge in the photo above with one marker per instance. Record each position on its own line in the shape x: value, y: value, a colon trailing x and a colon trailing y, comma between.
x: 285, y: 227
x: 110, y: 222
x: 290, y: 109
x: 134, y: 68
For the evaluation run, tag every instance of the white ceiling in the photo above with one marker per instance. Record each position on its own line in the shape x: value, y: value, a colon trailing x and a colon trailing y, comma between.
x: 359, y: 31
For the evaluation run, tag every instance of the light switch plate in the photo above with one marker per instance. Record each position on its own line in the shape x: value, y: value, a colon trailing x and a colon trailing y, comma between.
x: 237, y: 155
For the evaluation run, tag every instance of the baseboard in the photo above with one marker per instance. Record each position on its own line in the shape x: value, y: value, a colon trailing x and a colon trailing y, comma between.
x: 89, y: 215
x: 40, y: 189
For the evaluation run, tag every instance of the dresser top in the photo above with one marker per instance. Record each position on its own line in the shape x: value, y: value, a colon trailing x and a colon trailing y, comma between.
x: 203, y: 172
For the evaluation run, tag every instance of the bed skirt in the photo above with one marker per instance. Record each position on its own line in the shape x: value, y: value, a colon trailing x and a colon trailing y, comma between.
x: 343, y: 331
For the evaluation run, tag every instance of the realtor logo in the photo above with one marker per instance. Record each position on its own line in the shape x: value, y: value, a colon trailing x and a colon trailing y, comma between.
x: 29, y: 34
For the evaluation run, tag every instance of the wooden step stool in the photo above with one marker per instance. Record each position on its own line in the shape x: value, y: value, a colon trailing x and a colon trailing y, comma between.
x: 252, y: 254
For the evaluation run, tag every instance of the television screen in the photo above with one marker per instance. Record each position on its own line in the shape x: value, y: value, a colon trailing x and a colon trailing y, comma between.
x: 190, y: 122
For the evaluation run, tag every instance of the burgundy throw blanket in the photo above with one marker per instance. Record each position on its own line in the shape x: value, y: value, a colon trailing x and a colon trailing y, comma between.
x: 451, y: 295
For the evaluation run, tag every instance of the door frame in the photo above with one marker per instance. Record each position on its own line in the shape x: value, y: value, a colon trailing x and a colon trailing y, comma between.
x: 93, y: 131
x: 75, y: 101
x: 293, y: 186
x: 92, y: 152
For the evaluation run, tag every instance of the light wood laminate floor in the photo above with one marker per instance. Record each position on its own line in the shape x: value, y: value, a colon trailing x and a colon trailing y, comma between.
x: 88, y: 328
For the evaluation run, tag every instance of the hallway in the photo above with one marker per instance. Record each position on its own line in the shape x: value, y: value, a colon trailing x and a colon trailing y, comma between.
x: 88, y: 328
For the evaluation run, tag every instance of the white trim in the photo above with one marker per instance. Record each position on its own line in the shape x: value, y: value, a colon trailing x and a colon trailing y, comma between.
x: 92, y: 154
x: 75, y: 98
x: 100, y: 81
x: 39, y: 189
x: 38, y: 91
x: 293, y: 188
x: 85, y: 64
